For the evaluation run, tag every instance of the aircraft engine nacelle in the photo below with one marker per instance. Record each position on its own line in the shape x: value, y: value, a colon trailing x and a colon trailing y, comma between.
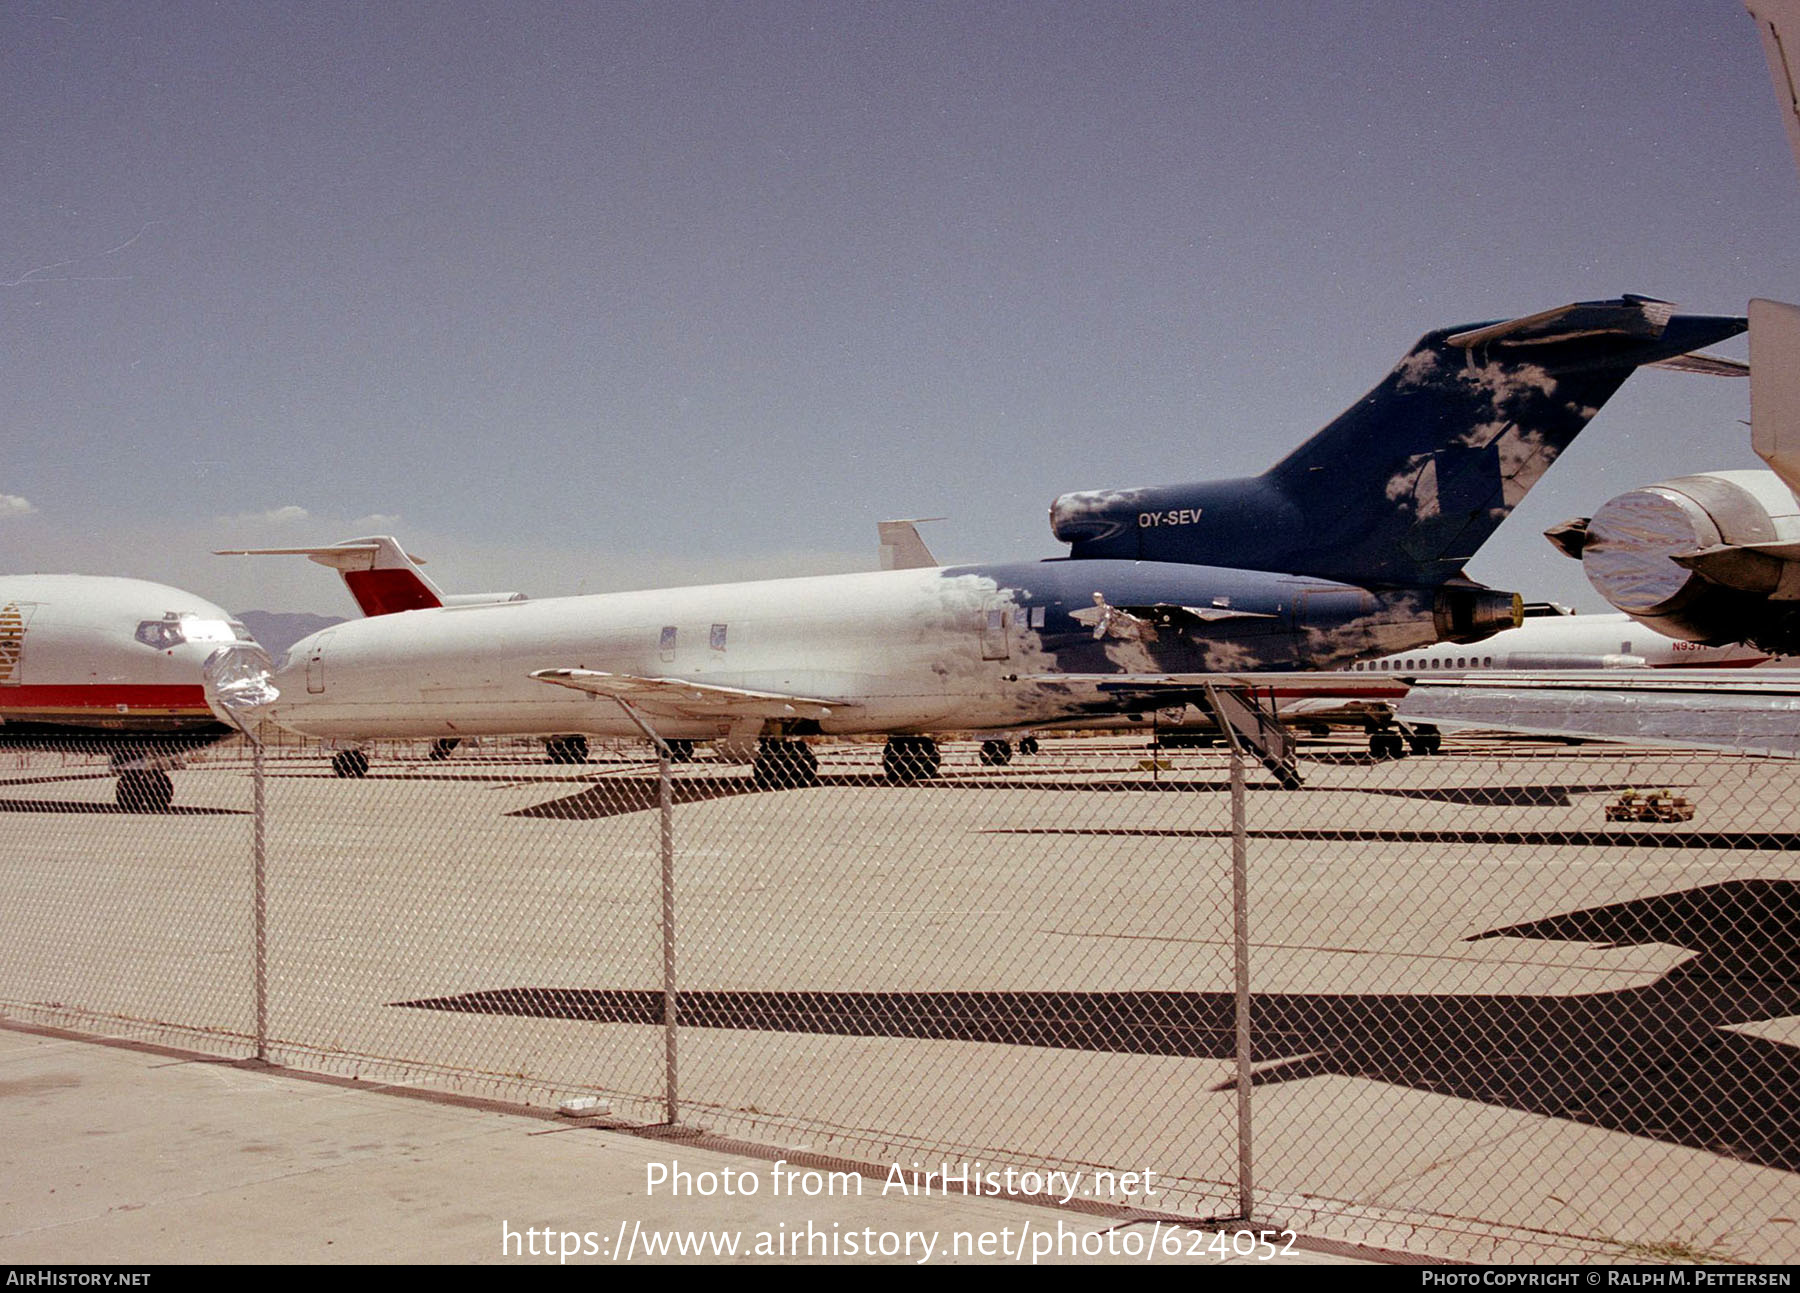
x: 1712, y: 558
x: 1469, y: 612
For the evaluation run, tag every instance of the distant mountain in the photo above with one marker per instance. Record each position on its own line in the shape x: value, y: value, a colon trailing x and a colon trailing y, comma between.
x: 279, y: 630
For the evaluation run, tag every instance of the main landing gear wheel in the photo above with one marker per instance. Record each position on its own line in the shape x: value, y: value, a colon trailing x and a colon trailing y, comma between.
x: 783, y: 763
x: 145, y: 790
x: 910, y: 758
x: 680, y: 751
x: 1029, y: 745
x: 350, y: 763
x: 1425, y: 740
x: 567, y: 749
x: 996, y: 754
x: 1387, y: 745
x: 440, y: 748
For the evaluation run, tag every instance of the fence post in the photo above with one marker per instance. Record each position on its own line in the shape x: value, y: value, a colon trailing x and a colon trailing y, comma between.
x: 671, y: 1001
x: 1240, y: 919
x: 259, y: 905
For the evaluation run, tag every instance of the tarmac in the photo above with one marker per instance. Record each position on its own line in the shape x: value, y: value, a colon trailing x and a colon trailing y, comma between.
x: 120, y: 1154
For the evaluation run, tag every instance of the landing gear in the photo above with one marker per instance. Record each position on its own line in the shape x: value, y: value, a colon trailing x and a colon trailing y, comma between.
x: 910, y: 758
x: 782, y: 763
x: 1029, y: 745
x: 1424, y: 740
x: 680, y: 751
x: 144, y: 790
x: 567, y: 749
x: 440, y: 748
x: 350, y: 763
x: 996, y: 754
x: 1387, y: 745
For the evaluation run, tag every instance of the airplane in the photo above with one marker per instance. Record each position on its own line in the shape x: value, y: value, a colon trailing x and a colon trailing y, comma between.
x: 1352, y: 545
x: 1365, y: 696
x: 1714, y: 558
x: 91, y: 662
x: 1778, y: 22
x: 1711, y: 559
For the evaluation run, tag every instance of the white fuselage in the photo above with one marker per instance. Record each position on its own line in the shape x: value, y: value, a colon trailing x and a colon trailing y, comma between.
x: 1607, y: 641
x: 98, y: 652
x: 902, y: 649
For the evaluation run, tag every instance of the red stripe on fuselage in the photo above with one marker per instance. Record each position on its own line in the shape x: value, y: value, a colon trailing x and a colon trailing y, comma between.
x: 32, y: 702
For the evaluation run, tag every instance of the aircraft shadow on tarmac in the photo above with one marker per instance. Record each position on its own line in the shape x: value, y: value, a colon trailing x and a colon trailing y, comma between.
x: 98, y: 806
x: 1658, y: 1061
x: 1539, y: 796
x: 614, y: 796
x: 1736, y: 841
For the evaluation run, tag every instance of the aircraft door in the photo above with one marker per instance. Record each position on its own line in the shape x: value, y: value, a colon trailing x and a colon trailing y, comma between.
x: 996, y: 629
x: 315, y: 666
x: 14, y: 616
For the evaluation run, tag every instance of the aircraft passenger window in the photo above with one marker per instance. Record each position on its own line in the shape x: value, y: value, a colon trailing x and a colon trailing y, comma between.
x: 718, y: 637
x: 1037, y: 617
x: 667, y: 645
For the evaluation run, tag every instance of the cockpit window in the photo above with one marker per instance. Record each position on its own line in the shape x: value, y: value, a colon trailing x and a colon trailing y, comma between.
x: 173, y: 630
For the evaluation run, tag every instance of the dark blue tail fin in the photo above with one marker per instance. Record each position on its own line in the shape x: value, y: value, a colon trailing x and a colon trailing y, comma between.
x: 1406, y: 484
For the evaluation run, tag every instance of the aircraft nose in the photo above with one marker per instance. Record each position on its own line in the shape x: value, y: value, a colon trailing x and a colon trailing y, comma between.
x: 239, y: 685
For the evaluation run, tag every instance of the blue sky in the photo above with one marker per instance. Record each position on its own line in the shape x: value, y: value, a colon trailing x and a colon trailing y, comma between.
x: 576, y: 297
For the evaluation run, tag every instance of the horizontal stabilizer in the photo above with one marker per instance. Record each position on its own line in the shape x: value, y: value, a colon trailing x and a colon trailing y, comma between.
x: 687, y: 698
x: 382, y: 576
x: 1704, y: 365
x: 1636, y: 317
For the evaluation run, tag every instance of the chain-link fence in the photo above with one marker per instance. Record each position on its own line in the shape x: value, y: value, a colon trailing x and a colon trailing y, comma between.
x: 1515, y: 1001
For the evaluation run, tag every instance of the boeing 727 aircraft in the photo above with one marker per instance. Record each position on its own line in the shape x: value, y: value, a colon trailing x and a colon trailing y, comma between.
x: 1352, y: 546
x: 90, y: 662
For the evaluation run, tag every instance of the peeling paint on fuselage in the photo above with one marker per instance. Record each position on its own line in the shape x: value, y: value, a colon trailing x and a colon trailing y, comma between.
x: 1402, y: 488
x: 903, y: 651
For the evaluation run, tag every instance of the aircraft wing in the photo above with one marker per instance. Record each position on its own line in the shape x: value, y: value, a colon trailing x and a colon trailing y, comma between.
x: 1170, y: 688
x: 688, y: 699
x: 1747, y: 711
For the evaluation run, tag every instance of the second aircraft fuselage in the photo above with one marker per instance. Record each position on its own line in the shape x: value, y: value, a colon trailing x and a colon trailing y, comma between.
x: 961, y: 647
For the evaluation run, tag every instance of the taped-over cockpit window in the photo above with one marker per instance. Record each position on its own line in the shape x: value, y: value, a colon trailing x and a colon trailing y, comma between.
x: 173, y: 630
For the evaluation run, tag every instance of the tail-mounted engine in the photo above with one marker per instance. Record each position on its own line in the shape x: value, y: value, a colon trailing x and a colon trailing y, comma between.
x: 1469, y: 612
x: 1713, y: 558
